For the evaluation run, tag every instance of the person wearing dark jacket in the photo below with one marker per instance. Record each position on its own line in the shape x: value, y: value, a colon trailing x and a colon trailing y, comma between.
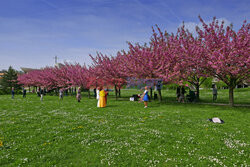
x: 24, y: 93
x: 12, y: 93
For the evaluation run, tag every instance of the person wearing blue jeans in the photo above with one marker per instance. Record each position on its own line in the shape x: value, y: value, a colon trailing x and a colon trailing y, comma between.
x: 12, y: 93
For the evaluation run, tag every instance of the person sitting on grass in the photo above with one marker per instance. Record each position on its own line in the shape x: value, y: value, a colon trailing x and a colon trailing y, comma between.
x: 145, y: 97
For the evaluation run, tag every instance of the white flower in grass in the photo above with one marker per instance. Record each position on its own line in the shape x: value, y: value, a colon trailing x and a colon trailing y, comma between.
x: 25, y: 159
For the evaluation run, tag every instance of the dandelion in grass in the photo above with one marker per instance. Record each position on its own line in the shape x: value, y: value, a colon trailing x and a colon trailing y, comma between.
x: 46, y: 143
x: 1, y: 143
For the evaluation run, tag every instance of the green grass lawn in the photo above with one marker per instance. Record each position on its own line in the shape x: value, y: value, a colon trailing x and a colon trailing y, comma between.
x: 67, y: 133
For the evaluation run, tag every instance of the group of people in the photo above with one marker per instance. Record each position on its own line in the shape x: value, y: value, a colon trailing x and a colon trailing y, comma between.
x: 180, y: 94
x: 101, y: 96
x: 13, y: 92
x: 40, y: 93
x: 144, y: 97
x: 192, y: 96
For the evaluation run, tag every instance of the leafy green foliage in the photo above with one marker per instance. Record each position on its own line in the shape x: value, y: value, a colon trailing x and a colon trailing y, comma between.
x: 207, y: 83
x: 8, y: 81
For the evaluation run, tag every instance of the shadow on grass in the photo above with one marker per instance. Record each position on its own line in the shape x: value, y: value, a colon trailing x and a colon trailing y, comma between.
x: 111, y: 105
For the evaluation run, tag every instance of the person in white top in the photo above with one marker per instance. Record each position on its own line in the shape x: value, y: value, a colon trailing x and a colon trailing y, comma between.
x: 61, y: 94
x: 98, y: 96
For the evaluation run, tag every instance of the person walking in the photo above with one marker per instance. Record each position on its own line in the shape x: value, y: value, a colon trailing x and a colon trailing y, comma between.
x: 145, y: 97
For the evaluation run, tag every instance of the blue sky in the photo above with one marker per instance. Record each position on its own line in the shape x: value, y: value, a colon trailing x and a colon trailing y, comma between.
x: 32, y: 32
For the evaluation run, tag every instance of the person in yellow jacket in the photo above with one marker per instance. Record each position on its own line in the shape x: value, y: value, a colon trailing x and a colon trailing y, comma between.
x: 102, y: 101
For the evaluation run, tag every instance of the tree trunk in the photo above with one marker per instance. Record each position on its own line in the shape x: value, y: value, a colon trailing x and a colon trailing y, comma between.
x: 70, y: 92
x: 231, y: 96
x: 197, y: 87
x: 160, y: 97
x: 119, y: 92
x: 89, y: 93
x: 115, y: 92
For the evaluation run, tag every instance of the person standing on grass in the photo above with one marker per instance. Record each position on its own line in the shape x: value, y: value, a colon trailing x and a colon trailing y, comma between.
x: 78, y: 96
x: 102, y: 101
x: 214, y: 93
x: 106, y: 95
x: 178, y: 93
x: 38, y: 92
x: 182, y: 95
x: 61, y: 94
x: 94, y: 92
x: 155, y: 92
x: 12, y: 93
x: 41, y: 94
x: 98, y: 96
x: 24, y: 93
x: 145, y: 97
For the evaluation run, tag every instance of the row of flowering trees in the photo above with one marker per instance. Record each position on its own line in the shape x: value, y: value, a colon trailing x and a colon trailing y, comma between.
x: 214, y: 51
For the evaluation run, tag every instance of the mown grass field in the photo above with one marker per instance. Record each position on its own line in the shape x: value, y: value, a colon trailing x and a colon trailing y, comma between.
x: 67, y: 133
